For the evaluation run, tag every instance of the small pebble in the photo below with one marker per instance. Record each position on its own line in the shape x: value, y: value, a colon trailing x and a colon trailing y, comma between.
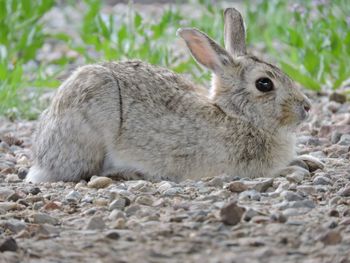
x: 119, y: 203
x: 163, y: 186
x: 333, y: 213
x: 231, y: 214
x: 95, y: 223
x: 14, y: 197
x: 115, y: 214
x: 120, y: 223
x: 260, y: 185
x: 332, y: 237
x: 337, y: 97
x: 22, y: 173
x: 237, y: 187
x: 173, y: 191
x: 113, y: 235
x: 12, y: 178
x: 9, y: 244
x: 14, y: 225
x: 346, y: 212
x: 344, y: 140
x: 73, y: 197
x: 345, y: 191
x: 295, y: 177
x: 144, y: 200
x: 41, y: 218
x: 321, y: 180
x: 5, y: 193
x: 34, y: 190
x: 249, y: 214
x: 99, y: 182
x: 291, y: 196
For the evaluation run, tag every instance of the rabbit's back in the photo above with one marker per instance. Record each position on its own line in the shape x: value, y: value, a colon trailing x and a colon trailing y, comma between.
x: 167, y: 126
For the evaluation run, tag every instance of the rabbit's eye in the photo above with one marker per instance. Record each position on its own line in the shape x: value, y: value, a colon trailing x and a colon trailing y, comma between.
x: 264, y: 84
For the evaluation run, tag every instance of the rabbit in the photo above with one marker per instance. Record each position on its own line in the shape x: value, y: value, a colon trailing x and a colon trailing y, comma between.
x: 124, y: 117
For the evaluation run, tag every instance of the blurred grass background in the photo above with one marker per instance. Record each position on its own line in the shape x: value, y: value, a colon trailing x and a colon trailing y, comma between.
x: 310, y: 40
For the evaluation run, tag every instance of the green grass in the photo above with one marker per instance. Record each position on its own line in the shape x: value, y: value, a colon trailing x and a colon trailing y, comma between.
x: 308, y: 39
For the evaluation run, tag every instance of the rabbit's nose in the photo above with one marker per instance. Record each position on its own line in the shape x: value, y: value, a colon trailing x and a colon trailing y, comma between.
x: 307, y: 105
x: 307, y: 108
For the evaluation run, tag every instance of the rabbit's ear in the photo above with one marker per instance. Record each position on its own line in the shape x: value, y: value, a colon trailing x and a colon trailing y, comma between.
x: 234, y: 33
x: 205, y: 50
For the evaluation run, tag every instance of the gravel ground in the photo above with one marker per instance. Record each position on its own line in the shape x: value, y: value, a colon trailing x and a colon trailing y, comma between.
x: 301, y: 216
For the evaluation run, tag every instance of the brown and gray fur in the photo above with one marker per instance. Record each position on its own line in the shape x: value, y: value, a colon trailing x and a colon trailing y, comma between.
x: 132, y: 116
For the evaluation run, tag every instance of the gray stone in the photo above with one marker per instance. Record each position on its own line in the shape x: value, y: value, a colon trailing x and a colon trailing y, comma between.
x: 296, y: 204
x: 14, y: 225
x: 87, y: 199
x: 115, y: 214
x: 249, y: 214
x: 119, y: 203
x: 136, y: 185
x: 291, y: 196
x: 345, y: 191
x: 322, y: 180
x: 7, y: 206
x: 73, y: 197
x: 295, y: 177
x: 164, y: 185
x: 34, y: 190
x: 344, y: 140
x: 260, y: 184
x: 335, y: 137
x: 293, y: 169
x: 144, y: 200
x: 216, y: 182
x: 22, y: 172
x: 132, y: 209
x: 95, y: 223
x: 306, y: 189
x: 41, y: 218
x: 290, y: 212
x: 5, y: 193
x: 48, y: 230
x: 231, y: 214
x: 173, y: 191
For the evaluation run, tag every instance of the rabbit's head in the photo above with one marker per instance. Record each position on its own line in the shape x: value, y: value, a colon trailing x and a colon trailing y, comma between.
x: 244, y: 85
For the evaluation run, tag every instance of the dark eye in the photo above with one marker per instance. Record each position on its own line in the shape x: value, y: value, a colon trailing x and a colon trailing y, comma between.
x: 264, y: 84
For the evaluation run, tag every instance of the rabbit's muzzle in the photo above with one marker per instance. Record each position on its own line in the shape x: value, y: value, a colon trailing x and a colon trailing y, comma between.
x: 294, y: 111
x: 304, y: 109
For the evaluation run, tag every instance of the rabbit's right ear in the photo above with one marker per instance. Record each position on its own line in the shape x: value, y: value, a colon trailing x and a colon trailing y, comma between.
x: 205, y: 50
x: 234, y: 33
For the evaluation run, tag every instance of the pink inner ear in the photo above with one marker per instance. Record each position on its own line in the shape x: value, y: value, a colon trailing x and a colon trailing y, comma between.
x: 201, y: 50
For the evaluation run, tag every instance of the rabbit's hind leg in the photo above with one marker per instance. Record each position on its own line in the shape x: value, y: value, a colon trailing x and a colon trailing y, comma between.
x: 66, y: 150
